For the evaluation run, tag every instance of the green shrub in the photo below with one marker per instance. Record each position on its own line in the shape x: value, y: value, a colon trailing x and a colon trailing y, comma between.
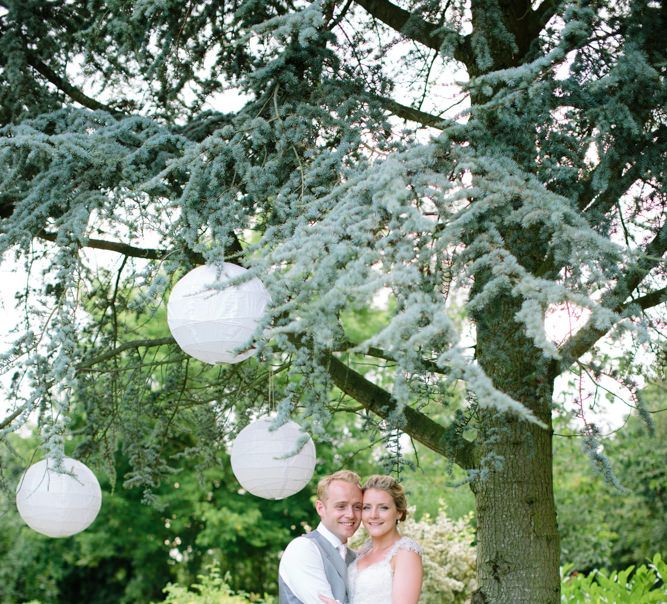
x: 211, y: 589
x: 644, y: 585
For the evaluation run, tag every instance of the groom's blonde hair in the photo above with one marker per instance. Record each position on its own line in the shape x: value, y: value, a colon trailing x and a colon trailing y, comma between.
x: 344, y: 475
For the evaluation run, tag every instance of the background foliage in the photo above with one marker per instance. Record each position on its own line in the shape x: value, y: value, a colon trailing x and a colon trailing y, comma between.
x: 199, y: 518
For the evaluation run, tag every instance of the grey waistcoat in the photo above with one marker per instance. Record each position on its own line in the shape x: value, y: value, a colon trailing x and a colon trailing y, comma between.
x: 334, y: 569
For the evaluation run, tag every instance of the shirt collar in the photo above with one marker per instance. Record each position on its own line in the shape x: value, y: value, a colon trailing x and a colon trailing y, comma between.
x: 328, y: 535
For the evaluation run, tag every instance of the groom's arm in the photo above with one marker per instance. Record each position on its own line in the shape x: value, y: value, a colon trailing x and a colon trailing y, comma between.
x: 302, y: 570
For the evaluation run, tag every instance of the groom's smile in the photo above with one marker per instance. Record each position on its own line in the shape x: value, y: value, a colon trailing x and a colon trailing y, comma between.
x: 340, y: 512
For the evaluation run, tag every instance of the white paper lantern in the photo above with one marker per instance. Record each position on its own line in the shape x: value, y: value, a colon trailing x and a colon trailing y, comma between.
x: 259, y: 462
x: 210, y: 323
x: 57, y: 504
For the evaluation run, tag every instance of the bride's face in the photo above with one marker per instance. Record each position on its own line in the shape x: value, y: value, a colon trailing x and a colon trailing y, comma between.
x: 379, y: 513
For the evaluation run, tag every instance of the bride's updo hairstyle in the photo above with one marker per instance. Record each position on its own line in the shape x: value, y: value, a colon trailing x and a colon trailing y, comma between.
x: 388, y: 484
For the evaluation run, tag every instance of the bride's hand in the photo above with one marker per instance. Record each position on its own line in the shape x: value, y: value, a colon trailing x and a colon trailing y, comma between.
x: 328, y: 600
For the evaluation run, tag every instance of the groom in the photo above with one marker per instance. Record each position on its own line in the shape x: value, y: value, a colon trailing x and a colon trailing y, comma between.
x: 316, y: 563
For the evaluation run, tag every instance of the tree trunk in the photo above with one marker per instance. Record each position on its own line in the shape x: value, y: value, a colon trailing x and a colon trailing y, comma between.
x: 518, y: 547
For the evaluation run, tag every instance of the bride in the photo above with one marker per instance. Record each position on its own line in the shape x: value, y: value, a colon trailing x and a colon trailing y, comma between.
x: 388, y: 568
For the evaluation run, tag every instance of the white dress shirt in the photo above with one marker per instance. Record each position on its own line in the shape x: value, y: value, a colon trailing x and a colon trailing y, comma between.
x: 302, y: 569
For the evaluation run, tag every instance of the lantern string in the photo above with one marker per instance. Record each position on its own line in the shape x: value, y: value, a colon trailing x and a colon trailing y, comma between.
x: 272, y: 402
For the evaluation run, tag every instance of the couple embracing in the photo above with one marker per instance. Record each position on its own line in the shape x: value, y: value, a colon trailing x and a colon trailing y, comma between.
x: 319, y: 568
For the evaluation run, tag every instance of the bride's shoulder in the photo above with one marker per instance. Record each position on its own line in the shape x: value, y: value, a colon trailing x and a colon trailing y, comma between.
x: 405, y: 543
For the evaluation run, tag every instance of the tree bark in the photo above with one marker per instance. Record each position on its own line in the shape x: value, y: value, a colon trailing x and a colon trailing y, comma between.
x: 518, y: 547
x: 517, y: 541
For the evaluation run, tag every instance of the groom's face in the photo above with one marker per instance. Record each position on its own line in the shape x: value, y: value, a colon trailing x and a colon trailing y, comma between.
x: 340, y: 511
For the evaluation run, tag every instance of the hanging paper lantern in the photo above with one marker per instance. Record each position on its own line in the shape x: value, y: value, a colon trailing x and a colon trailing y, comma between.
x: 57, y: 504
x: 209, y: 323
x: 260, y: 464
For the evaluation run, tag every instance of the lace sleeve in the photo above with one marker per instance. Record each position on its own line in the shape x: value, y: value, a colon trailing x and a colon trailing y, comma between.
x: 408, y: 544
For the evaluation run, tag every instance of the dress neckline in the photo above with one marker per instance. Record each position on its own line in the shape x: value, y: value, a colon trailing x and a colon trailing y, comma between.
x: 385, y: 559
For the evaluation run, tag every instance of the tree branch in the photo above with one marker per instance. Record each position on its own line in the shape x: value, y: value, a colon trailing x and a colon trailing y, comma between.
x: 414, y: 27
x: 11, y: 417
x: 527, y: 22
x: 371, y: 397
x: 543, y: 13
x: 587, y: 336
x: 595, y: 208
x: 416, y: 424
x: 333, y: 23
x: 651, y: 257
x: 150, y: 343
x: 650, y: 300
x: 378, y: 353
x: 140, y: 252
x: 414, y: 115
x: 74, y: 93
x: 121, y: 248
x: 600, y: 205
x: 86, y: 365
x: 632, y: 156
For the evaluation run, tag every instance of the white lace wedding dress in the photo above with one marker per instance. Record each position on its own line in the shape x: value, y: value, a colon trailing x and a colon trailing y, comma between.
x: 372, y: 585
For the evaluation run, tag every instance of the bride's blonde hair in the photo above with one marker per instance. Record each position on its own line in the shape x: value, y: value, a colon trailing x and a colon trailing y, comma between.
x: 388, y: 484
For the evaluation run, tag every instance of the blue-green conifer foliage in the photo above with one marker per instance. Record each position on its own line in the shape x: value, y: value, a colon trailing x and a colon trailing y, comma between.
x: 473, y: 166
